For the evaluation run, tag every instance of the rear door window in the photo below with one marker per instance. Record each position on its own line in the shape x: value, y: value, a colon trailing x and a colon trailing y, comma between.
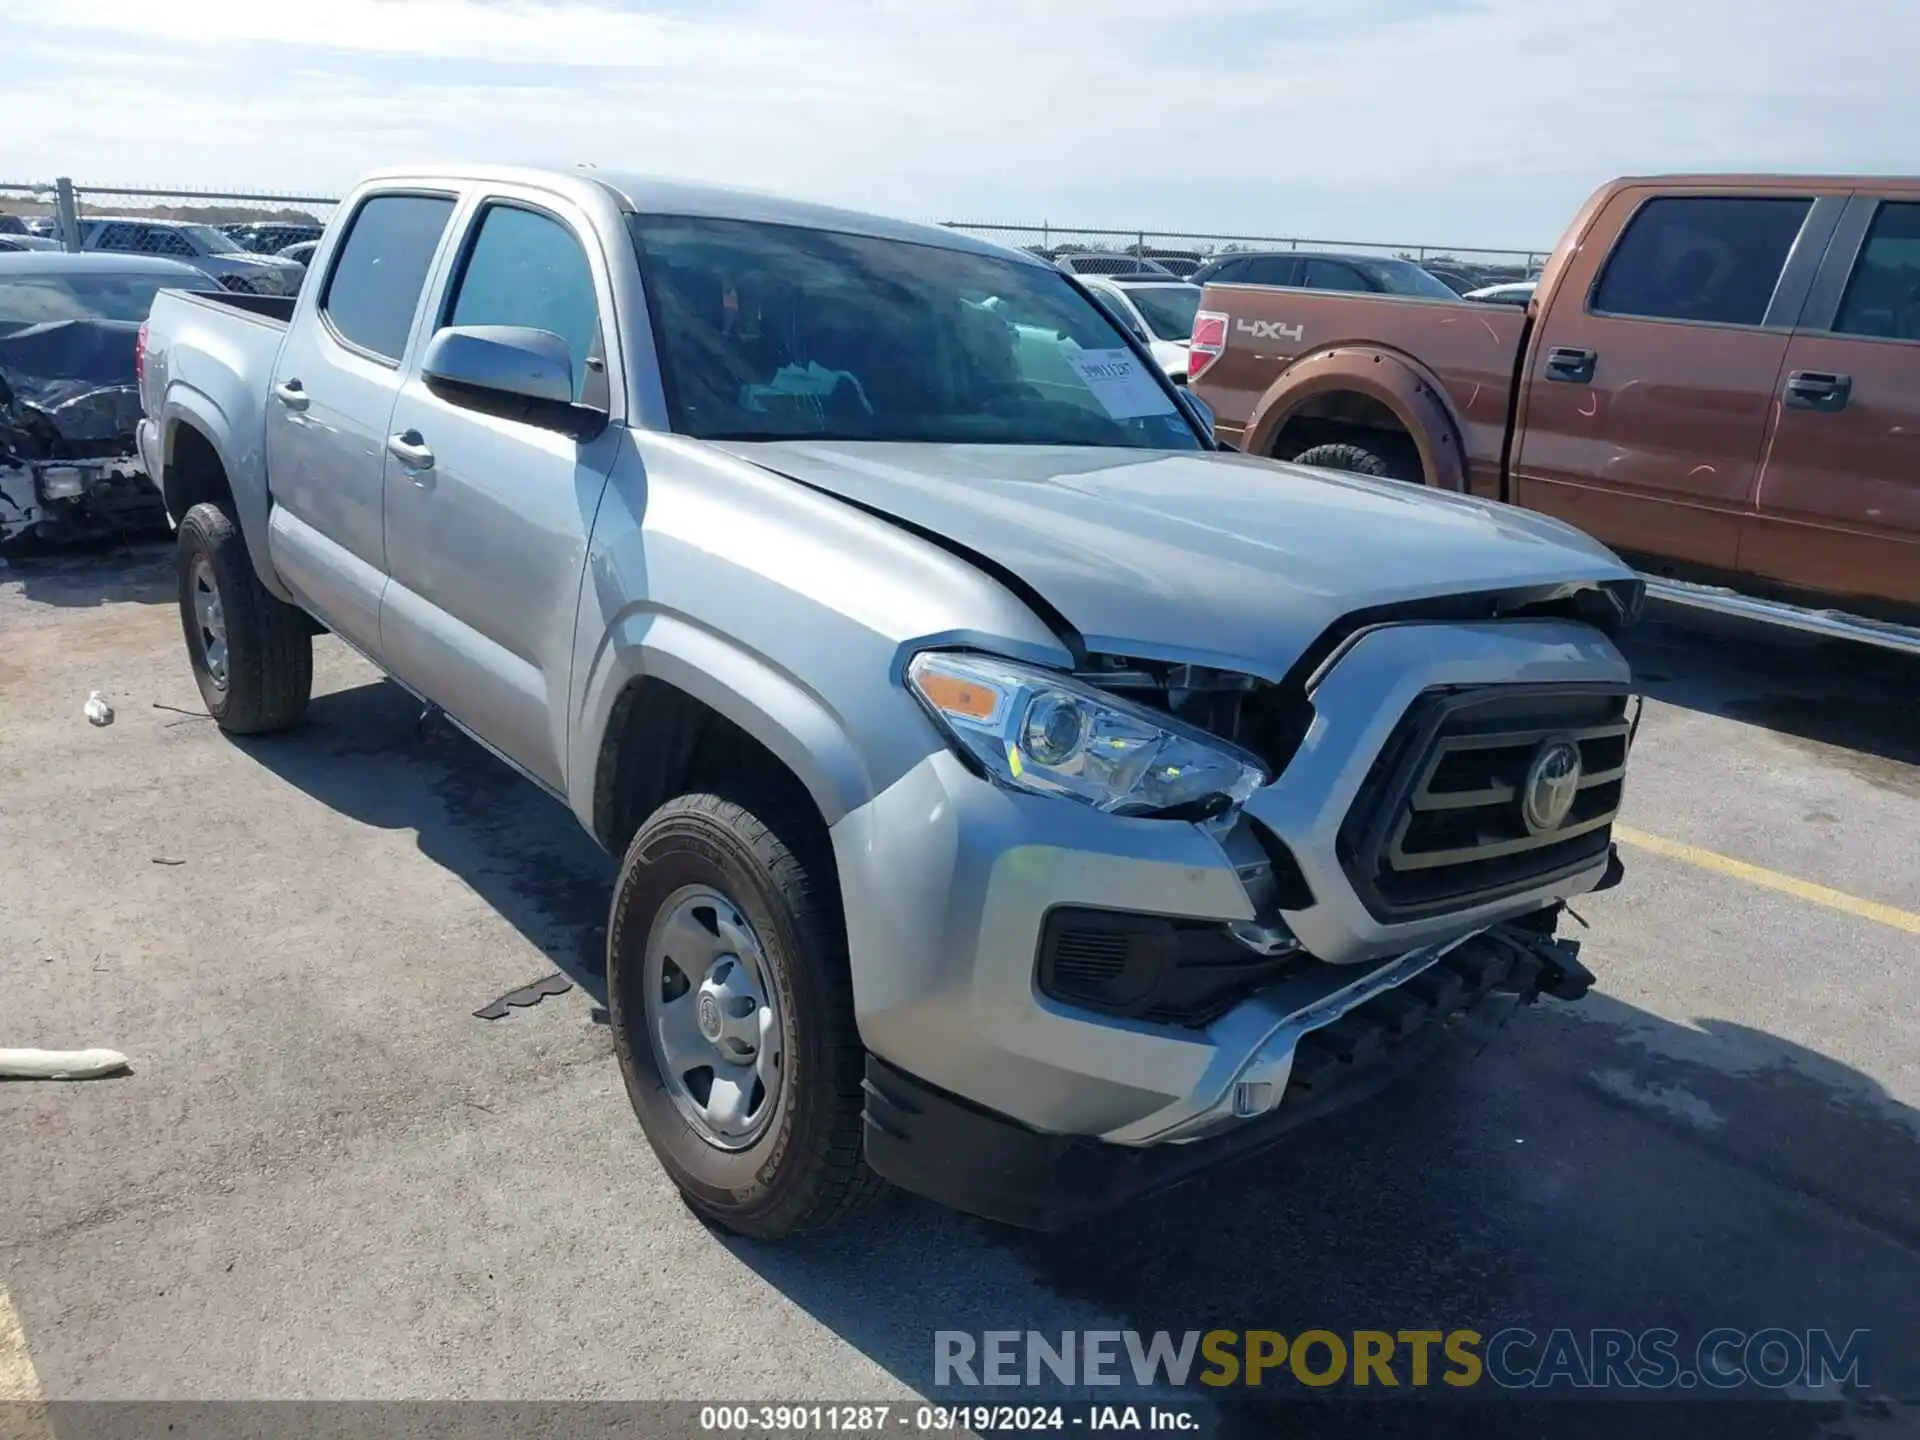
x: 1715, y: 259
x: 1333, y: 275
x: 1270, y: 270
x: 381, y: 269
x: 161, y: 241
x: 1883, y: 295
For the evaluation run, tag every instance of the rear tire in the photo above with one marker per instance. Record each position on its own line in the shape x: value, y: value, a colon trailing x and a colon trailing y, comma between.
x: 1353, y: 459
x: 756, y: 874
x: 252, y: 653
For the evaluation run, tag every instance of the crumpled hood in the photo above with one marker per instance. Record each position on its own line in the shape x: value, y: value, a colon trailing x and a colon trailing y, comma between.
x: 1212, y: 558
x: 67, y: 389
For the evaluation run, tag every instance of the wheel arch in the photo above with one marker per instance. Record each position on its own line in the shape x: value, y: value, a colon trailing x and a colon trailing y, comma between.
x: 684, y: 708
x: 197, y: 467
x: 1352, y: 387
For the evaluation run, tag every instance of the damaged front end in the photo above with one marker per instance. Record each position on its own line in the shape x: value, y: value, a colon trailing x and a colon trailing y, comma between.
x: 69, y: 403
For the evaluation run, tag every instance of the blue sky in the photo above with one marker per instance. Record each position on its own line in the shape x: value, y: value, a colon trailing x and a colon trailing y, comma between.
x: 1429, y: 121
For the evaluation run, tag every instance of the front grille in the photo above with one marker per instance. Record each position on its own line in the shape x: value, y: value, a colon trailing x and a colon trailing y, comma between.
x: 1440, y: 822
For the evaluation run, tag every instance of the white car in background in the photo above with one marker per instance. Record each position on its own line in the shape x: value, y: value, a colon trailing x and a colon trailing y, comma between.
x: 1158, y: 309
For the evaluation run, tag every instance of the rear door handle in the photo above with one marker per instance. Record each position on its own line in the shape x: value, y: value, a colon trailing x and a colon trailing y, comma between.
x: 292, y: 394
x: 1575, y: 367
x: 410, y: 449
x: 1818, y: 390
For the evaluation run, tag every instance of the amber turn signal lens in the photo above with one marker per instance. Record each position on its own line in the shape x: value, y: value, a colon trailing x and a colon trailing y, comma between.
x: 954, y: 696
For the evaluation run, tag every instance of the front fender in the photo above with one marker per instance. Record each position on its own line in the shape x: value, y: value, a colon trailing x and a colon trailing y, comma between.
x: 241, y: 451
x: 769, y: 704
x: 1393, y: 379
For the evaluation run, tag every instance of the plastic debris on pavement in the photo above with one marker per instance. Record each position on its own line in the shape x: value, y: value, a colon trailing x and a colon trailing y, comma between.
x: 61, y: 1064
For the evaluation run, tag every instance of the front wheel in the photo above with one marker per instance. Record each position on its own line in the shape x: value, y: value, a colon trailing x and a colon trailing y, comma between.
x: 732, y: 1015
x: 251, y: 652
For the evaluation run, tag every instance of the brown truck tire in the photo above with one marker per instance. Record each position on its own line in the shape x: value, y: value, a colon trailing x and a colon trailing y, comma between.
x: 1354, y: 459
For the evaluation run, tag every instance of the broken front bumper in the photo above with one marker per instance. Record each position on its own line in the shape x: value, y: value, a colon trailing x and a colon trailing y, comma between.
x: 1337, y: 1054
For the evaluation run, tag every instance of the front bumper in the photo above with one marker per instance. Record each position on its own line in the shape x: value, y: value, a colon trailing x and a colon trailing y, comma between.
x: 948, y: 882
x: 970, y: 1159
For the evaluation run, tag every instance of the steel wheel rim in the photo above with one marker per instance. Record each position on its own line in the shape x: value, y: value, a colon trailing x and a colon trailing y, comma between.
x: 210, y: 622
x: 713, y: 1017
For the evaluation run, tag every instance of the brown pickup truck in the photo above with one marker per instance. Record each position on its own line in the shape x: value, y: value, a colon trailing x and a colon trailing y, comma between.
x: 1718, y: 376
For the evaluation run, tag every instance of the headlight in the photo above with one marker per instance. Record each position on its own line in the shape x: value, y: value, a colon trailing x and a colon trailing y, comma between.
x: 1041, y: 731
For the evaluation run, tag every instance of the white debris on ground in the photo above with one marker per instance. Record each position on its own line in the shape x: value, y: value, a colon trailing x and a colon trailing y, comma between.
x: 60, y: 1064
x: 99, y: 712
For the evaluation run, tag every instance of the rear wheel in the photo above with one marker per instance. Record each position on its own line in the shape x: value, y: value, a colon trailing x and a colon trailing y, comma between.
x: 252, y: 653
x: 1354, y: 459
x: 732, y: 1014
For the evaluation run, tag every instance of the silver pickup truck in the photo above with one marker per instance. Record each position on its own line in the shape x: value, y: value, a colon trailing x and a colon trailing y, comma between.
x: 1022, y: 799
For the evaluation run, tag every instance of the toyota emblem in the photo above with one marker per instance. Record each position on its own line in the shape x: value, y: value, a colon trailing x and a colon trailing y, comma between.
x: 1553, y: 781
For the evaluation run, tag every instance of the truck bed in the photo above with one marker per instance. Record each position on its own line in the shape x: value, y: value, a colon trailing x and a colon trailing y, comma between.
x: 274, y: 310
x: 1469, y: 349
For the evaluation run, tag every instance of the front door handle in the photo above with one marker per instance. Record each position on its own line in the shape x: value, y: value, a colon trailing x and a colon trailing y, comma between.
x: 292, y: 394
x: 1575, y: 367
x: 410, y: 449
x: 1818, y: 390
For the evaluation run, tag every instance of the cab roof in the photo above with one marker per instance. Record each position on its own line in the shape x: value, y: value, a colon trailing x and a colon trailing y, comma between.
x: 654, y: 195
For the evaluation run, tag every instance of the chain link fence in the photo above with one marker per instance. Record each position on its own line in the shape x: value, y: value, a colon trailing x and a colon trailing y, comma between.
x: 265, y: 222
x: 150, y: 221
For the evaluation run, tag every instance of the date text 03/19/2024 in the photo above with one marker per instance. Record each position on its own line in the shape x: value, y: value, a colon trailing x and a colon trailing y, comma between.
x: 755, y: 1420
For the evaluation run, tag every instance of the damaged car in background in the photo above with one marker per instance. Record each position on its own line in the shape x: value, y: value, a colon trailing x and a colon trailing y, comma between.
x: 69, y: 341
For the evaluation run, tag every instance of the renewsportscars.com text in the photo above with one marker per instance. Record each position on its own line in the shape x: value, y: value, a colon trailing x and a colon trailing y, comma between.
x: 1514, y: 1359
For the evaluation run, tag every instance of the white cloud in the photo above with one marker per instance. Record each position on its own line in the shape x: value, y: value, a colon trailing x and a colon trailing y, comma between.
x: 1456, y: 121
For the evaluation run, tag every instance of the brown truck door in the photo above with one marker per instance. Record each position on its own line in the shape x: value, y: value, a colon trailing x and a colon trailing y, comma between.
x: 1653, y: 377
x: 1838, y: 508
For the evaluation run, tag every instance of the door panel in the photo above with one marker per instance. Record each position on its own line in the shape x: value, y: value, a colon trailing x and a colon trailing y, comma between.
x: 333, y: 391
x: 1647, y: 406
x: 486, y: 545
x: 1838, y: 508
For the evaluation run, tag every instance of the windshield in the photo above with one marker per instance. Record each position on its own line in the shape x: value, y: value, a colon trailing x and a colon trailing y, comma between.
x: 1403, y: 277
x: 774, y: 332
x: 1167, y: 309
x: 37, y: 300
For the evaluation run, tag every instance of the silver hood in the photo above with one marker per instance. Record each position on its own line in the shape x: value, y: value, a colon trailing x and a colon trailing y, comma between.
x: 1209, y: 558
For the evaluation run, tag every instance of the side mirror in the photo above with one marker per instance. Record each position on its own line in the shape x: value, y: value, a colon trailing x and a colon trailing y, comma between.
x: 513, y: 371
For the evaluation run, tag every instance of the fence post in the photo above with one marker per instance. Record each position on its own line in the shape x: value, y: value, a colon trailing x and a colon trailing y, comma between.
x: 1046, y: 236
x: 69, y: 212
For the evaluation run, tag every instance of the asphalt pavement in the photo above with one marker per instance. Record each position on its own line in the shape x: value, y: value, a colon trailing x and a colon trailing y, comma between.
x: 327, y: 1179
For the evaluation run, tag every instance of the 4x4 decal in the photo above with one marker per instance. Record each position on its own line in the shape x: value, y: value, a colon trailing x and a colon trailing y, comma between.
x: 1271, y: 330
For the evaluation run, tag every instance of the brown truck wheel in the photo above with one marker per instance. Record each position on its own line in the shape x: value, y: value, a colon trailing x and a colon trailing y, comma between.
x: 1354, y: 459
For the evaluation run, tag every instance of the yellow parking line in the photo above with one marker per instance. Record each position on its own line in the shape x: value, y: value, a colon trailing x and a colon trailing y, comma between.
x: 23, y: 1408
x: 1769, y: 879
x: 17, y: 1378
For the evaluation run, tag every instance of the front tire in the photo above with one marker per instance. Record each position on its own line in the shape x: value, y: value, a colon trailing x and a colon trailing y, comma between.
x: 252, y: 653
x: 732, y: 1014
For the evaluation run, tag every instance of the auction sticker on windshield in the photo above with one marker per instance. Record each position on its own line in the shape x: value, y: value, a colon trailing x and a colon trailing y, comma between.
x: 1118, y: 381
